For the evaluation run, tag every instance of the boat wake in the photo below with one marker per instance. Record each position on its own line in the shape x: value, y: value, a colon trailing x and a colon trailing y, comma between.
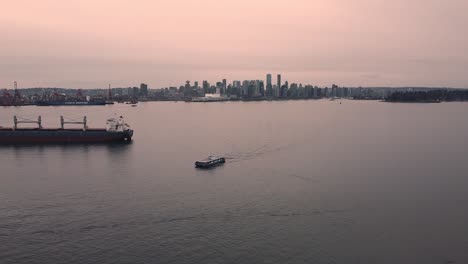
x: 266, y: 149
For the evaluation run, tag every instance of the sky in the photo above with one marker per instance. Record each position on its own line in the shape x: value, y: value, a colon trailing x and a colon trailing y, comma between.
x: 93, y: 43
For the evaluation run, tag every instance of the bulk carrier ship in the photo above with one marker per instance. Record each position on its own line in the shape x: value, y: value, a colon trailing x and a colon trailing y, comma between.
x: 117, y: 130
x: 72, y: 102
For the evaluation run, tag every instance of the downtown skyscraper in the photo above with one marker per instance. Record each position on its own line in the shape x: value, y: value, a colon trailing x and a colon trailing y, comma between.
x: 278, y: 81
x: 269, y: 86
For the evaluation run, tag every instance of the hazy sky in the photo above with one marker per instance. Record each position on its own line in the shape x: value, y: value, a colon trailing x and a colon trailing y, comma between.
x: 90, y: 43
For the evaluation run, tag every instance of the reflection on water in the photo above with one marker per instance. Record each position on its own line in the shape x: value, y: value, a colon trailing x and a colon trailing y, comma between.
x: 27, y: 146
x: 115, y: 150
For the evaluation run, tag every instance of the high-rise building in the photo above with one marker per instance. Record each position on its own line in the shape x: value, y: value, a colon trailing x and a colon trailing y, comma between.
x: 261, y: 88
x: 284, y: 90
x: 17, y: 94
x: 245, y: 88
x: 251, y: 89
x: 187, y: 89
x: 220, y: 87
x: 268, y: 79
x: 278, y: 80
x: 269, y: 86
x: 257, y: 88
x: 109, y: 93
x: 135, y: 92
x: 276, y: 91
x: 206, y: 86
x: 293, y: 91
x: 236, y: 84
x: 300, y: 91
x: 334, y: 90
x: 143, y: 89
x: 236, y: 88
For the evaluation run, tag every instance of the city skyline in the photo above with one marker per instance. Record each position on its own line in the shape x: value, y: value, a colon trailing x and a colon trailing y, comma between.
x: 213, y: 83
x: 87, y: 44
x: 224, y: 90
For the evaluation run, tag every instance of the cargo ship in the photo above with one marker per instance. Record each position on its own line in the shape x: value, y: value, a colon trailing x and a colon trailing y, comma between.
x: 116, y: 130
x: 60, y: 103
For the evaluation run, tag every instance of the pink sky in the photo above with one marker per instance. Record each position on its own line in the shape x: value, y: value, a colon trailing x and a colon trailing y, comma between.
x: 90, y: 43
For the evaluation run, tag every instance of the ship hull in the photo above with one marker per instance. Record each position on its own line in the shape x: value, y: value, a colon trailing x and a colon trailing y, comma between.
x: 84, y: 103
x: 42, y: 136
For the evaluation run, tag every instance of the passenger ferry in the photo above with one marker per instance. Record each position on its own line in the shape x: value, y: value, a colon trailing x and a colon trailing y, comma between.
x: 210, y: 162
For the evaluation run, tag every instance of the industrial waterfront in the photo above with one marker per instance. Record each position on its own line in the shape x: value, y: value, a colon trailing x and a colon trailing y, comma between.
x: 310, y: 181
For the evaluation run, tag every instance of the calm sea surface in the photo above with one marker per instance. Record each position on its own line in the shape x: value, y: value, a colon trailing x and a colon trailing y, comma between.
x: 304, y: 182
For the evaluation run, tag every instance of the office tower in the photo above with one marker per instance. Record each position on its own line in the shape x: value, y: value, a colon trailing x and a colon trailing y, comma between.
x: 135, y: 92
x: 276, y: 91
x: 261, y: 88
x: 143, y: 89
x: 245, y: 88
x: 187, y: 89
x: 293, y: 91
x: 278, y: 81
x: 236, y: 84
x: 268, y: 79
x: 269, y: 86
x: 206, y: 86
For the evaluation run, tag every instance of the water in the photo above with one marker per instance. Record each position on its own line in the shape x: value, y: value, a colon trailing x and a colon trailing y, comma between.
x: 304, y: 182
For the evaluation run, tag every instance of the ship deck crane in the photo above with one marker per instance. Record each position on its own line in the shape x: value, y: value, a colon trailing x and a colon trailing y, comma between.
x: 75, y: 122
x: 20, y: 120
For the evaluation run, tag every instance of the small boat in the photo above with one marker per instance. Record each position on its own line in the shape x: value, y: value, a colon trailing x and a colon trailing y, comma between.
x: 210, y: 162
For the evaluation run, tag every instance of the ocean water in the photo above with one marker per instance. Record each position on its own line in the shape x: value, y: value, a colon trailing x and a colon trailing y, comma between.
x: 304, y: 182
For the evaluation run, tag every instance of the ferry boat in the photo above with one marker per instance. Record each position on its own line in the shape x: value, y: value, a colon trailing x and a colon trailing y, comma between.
x: 117, y: 130
x: 209, y: 162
